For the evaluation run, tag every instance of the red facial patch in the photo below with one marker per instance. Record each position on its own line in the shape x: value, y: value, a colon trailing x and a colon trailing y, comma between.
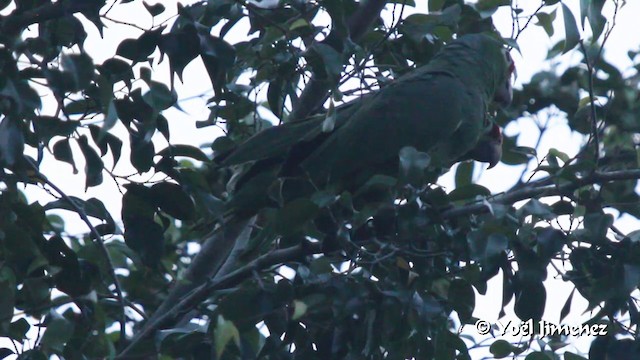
x: 512, y: 64
x: 496, y: 133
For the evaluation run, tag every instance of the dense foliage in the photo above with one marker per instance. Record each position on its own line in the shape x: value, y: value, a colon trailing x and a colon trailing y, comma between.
x: 387, y: 271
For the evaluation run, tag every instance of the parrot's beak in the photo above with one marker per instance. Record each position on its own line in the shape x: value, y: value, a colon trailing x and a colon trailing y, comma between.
x: 488, y: 149
x: 495, y: 154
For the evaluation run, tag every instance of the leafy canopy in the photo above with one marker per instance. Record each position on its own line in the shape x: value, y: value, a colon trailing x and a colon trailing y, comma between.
x: 390, y: 270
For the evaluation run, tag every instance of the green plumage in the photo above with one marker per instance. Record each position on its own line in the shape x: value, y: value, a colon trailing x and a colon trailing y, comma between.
x: 440, y: 108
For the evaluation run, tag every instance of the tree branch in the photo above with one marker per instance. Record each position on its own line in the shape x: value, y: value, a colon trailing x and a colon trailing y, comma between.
x: 101, y: 246
x: 201, y: 293
x: 315, y: 92
x: 16, y: 21
x: 279, y: 257
x: 528, y: 192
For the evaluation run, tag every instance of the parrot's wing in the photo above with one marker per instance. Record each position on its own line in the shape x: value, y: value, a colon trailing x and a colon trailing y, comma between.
x: 269, y: 143
x: 277, y: 141
x: 424, y: 112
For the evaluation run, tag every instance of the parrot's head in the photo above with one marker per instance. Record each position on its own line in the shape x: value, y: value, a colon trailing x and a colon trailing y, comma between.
x: 489, y: 147
x: 482, y: 61
x: 504, y: 92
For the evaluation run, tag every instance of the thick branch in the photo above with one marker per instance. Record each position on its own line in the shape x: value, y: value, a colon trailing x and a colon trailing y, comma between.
x: 283, y: 256
x: 315, y: 92
x: 211, y: 257
x: 535, y: 190
x: 201, y: 293
x: 99, y: 241
x: 15, y: 21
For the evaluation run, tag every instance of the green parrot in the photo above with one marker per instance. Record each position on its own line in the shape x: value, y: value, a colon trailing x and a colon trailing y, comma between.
x: 440, y: 108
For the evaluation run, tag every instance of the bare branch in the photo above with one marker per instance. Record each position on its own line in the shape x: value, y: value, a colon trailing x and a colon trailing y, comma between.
x: 283, y: 256
x: 98, y: 238
x: 534, y: 191
x: 15, y: 21
x: 200, y: 294
x: 595, y: 138
x: 315, y: 93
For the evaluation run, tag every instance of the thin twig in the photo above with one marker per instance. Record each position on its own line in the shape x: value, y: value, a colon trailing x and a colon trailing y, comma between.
x: 100, y: 242
x: 16, y: 21
x: 199, y: 294
x: 315, y: 91
x: 529, y: 18
x: 595, y: 138
x: 532, y: 191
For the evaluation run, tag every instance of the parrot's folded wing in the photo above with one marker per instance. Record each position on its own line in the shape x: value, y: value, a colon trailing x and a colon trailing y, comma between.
x: 277, y: 141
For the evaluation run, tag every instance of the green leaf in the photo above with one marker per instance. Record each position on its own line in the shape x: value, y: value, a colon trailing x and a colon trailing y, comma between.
x: 59, y: 331
x: 171, y: 199
x: 501, y: 349
x: 545, y: 20
x: 155, y: 9
x: 4, y: 352
x: 486, y: 8
x: 598, y: 224
x: 159, y: 96
x: 181, y: 46
x: 105, y: 141
x: 435, y: 5
x: 145, y: 237
x: 93, y: 164
x: 299, y: 23
x: 550, y: 241
x: 225, y: 331
x: 484, y: 247
x: 138, y: 201
x: 8, y: 290
x: 11, y: 142
x: 186, y: 151
x: 275, y: 97
x: 116, y: 70
x: 79, y: 68
x: 418, y: 26
x: 567, y: 306
x: 464, y: 174
x: 513, y: 154
x: 294, y: 215
x: 571, y: 356
x: 462, y: 298
x: 4, y: 4
x: 139, y: 49
x: 81, y: 107
x: 538, y: 355
x: 572, y: 36
x: 531, y: 301
x: 330, y: 119
x: 412, y: 164
x: 331, y: 59
x: 47, y: 127
x: 592, y: 10
x: 218, y: 57
x: 631, y: 277
x: 467, y: 192
x: 64, y: 31
x: 536, y: 208
x: 299, y: 309
x: 142, y: 153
